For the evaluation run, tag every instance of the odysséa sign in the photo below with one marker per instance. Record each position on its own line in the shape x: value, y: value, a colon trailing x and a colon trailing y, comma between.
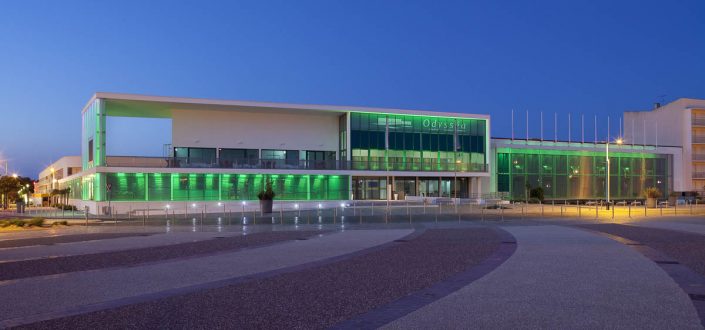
x: 443, y: 124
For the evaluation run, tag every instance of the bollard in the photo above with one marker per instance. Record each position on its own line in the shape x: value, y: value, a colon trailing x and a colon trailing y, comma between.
x: 612, y: 211
x: 579, y: 209
x: 281, y: 214
x: 644, y: 208
x: 502, y: 211
x: 541, y: 209
x: 661, y: 209
x: 691, y: 207
x: 482, y: 211
x: 675, y: 207
x: 596, y: 210
x: 522, y: 211
x: 630, y: 210
x: 561, y: 210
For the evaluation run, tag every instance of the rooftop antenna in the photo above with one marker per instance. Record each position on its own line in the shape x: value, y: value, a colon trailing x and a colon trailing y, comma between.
x: 555, y: 127
x: 657, y: 134
x: 541, y: 126
x: 608, y: 129
x: 595, y: 135
x: 582, y: 128
x: 512, y: 124
x: 527, y: 125
x: 569, y: 128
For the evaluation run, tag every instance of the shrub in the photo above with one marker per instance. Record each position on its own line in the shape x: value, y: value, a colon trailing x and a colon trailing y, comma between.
x: 267, y: 194
x: 534, y: 200
x: 38, y: 222
x: 60, y: 223
x: 4, y: 223
x: 536, y: 193
x: 17, y: 222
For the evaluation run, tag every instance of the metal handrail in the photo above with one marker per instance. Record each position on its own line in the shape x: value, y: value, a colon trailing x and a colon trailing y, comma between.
x: 424, y: 165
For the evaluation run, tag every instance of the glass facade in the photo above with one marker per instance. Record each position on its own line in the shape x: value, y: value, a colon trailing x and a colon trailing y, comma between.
x: 93, y: 135
x: 565, y: 174
x: 376, y: 187
x: 419, y: 143
x: 212, y: 186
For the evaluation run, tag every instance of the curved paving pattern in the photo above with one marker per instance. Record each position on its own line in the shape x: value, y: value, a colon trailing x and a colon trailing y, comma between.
x: 315, y: 297
x: 563, y: 278
x: 57, y: 295
x: 60, y: 239
x: 137, y: 241
x: 680, y: 254
x: 126, y: 258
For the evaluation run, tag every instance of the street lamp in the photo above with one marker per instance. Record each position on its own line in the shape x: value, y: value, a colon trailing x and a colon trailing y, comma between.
x: 618, y: 141
x: 455, y: 183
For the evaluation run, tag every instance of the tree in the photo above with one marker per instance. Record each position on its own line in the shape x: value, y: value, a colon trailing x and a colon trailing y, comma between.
x: 8, y: 186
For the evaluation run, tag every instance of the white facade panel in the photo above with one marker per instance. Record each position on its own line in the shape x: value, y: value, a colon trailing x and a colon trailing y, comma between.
x: 255, y: 130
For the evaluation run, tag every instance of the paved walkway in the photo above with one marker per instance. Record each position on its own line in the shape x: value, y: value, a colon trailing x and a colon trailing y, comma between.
x: 563, y: 278
x: 59, y: 293
x: 106, y: 245
x: 675, y: 223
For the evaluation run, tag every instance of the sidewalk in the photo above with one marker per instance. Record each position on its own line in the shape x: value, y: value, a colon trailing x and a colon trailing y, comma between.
x: 563, y: 278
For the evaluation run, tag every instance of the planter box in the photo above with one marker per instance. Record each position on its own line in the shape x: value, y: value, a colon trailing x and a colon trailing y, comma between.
x: 265, y: 206
x: 651, y: 203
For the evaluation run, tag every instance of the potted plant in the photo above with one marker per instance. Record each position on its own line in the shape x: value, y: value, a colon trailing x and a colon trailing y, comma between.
x: 266, y: 198
x: 652, y: 194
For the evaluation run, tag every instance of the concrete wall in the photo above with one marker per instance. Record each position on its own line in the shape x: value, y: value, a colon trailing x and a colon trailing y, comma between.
x: 256, y: 130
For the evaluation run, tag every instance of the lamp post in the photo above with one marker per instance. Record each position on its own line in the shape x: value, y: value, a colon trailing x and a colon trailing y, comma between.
x: 455, y: 183
x: 619, y: 141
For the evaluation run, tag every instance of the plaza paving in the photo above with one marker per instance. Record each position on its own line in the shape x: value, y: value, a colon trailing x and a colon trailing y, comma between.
x: 516, y: 273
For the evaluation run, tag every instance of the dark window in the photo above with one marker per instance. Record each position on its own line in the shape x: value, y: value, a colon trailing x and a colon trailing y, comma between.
x: 90, y: 150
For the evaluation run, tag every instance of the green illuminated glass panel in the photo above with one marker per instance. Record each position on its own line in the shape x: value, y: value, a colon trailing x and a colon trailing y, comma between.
x: 411, y: 142
x: 567, y: 174
x: 215, y: 187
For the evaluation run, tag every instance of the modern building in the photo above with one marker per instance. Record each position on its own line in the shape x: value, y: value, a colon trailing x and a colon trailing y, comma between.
x: 64, y: 169
x: 679, y: 123
x: 578, y: 171
x: 224, y: 152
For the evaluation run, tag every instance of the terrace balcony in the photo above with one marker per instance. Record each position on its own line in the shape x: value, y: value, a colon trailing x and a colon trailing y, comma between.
x: 699, y: 157
x: 698, y: 175
x: 698, y: 139
x: 698, y: 120
x: 430, y: 165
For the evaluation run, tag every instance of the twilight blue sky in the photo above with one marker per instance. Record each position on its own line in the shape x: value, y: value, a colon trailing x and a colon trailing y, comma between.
x: 591, y: 57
